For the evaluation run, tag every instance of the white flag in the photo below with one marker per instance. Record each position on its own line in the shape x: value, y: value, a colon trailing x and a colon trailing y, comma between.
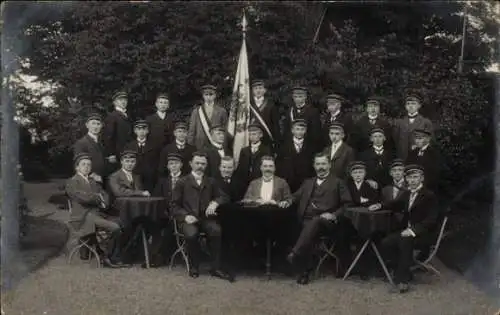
x: 239, y: 114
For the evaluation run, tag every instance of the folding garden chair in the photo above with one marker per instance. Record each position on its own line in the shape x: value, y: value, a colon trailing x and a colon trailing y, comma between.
x: 426, y: 263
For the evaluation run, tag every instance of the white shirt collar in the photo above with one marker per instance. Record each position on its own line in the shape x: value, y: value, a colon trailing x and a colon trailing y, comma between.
x: 141, y: 141
x: 400, y: 183
x: 424, y: 147
x: 121, y: 110
x: 298, y: 141
x: 412, y: 116
x: 301, y: 106
x: 218, y: 146
x: 176, y: 174
x: 358, y: 185
x: 196, y: 176
x: 372, y: 117
x: 129, y: 174
x: 255, y: 145
x: 208, y: 104
x: 337, y: 145
x: 270, y: 180
x: 417, y: 189
x: 259, y: 100
x: 161, y: 115
x: 180, y: 144
x: 378, y: 149
x: 85, y: 177
x: 94, y: 137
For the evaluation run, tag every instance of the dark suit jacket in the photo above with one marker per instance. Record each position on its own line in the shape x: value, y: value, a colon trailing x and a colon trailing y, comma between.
x: 341, y: 160
x: 295, y: 166
x: 235, y: 189
x: 147, y: 162
x: 121, y: 187
x: 363, y: 128
x: 214, y: 159
x: 423, y: 214
x: 186, y: 153
x: 314, y: 131
x: 334, y: 201
x: 191, y: 199
x: 281, y: 190
x: 403, y: 133
x: 270, y: 114
x: 365, y: 191
x: 387, y: 193
x: 160, y: 130
x: 117, y: 132
x: 84, y: 198
x: 96, y: 151
x: 349, y: 130
x: 432, y: 163
x: 378, y: 167
x: 249, y: 164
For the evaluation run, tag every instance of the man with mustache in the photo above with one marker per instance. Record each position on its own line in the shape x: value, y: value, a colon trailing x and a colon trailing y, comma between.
x: 321, y: 201
x: 196, y: 198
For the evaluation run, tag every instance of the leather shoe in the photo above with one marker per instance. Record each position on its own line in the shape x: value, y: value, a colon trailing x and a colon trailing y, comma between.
x: 114, y: 264
x: 194, y: 272
x: 303, y: 278
x: 403, y: 287
x: 222, y: 275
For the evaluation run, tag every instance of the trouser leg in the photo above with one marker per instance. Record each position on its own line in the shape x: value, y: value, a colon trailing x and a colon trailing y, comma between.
x: 403, y: 273
x: 213, y: 231
x: 113, y: 248
x: 190, y: 232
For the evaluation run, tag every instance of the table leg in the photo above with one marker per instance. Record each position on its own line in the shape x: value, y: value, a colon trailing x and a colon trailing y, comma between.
x: 355, y: 261
x: 146, y: 246
x: 381, y: 261
x: 268, y: 258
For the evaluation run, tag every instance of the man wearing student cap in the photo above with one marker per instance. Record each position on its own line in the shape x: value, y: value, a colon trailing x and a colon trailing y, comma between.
x: 117, y: 130
x: 161, y: 123
x: 404, y: 127
x: 124, y: 183
x: 335, y: 114
x: 216, y: 150
x: 378, y: 158
x: 88, y: 200
x: 339, y: 152
x: 204, y: 117
x: 398, y: 184
x: 264, y: 112
x: 147, y: 154
x: 372, y: 118
x: 428, y: 156
x: 293, y: 162
x: 178, y: 146
x: 301, y: 109
x: 91, y: 144
x: 416, y: 215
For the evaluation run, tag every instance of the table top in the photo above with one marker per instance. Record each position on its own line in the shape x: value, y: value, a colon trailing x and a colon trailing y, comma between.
x: 365, y: 210
x: 252, y: 205
x: 140, y: 198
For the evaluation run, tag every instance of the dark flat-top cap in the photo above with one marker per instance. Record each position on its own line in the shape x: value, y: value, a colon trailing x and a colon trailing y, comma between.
x: 412, y: 97
x: 140, y: 123
x: 357, y: 165
x: 299, y: 122
x: 422, y: 132
x: 120, y: 94
x: 200, y: 153
x: 162, y: 95
x: 397, y: 162
x: 299, y: 88
x: 258, y: 82
x: 373, y: 100
x: 81, y: 156
x: 181, y: 125
x: 174, y: 157
x: 334, y: 96
x: 217, y: 127
x: 94, y: 116
x: 336, y: 125
x: 208, y: 87
x: 128, y: 154
x: 413, y: 168
x: 376, y: 129
x: 254, y: 126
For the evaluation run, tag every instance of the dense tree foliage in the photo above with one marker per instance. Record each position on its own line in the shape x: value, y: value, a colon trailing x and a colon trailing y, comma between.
x: 91, y: 49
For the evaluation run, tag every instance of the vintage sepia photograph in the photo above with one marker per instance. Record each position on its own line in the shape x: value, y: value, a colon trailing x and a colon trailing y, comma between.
x: 250, y: 157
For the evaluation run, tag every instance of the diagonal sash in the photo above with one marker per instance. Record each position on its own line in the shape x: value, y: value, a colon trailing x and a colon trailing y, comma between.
x: 205, y: 124
x: 261, y: 120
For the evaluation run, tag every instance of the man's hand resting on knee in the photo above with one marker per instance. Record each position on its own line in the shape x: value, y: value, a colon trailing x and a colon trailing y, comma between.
x: 329, y: 216
x: 190, y: 219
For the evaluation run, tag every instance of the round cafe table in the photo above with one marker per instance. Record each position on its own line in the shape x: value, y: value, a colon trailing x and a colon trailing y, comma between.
x: 267, y: 217
x: 133, y: 208
x: 368, y: 223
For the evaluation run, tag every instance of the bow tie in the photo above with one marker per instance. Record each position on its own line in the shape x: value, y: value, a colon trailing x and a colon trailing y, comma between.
x: 267, y: 180
x: 412, y: 116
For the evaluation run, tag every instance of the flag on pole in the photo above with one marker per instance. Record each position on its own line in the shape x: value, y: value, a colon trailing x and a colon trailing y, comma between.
x: 239, y: 113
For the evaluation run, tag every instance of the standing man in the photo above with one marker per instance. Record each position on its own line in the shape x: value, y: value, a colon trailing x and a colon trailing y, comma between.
x: 335, y: 114
x: 178, y: 146
x: 91, y: 144
x: 321, y: 200
x: 378, y: 158
x: 204, y: 117
x: 372, y: 118
x: 117, y: 129
x: 339, y: 152
x: 160, y: 123
x: 308, y: 113
x: 147, y: 156
x: 217, y: 150
x: 195, y: 201
x: 404, y: 127
x: 264, y: 112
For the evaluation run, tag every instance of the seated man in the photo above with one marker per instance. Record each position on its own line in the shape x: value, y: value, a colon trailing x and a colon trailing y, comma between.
x: 362, y: 194
x: 268, y: 189
x: 321, y: 200
x: 398, y: 185
x: 416, y: 215
x: 88, y: 198
x: 195, y: 201
x: 124, y: 182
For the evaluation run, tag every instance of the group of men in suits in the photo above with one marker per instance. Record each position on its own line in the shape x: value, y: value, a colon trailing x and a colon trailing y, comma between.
x: 323, y: 162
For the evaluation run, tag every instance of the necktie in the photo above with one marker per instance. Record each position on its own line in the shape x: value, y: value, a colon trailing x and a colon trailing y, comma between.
x: 413, y: 195
x: 373, y: 121
x: 379, y: 152
x: 174, y: 181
